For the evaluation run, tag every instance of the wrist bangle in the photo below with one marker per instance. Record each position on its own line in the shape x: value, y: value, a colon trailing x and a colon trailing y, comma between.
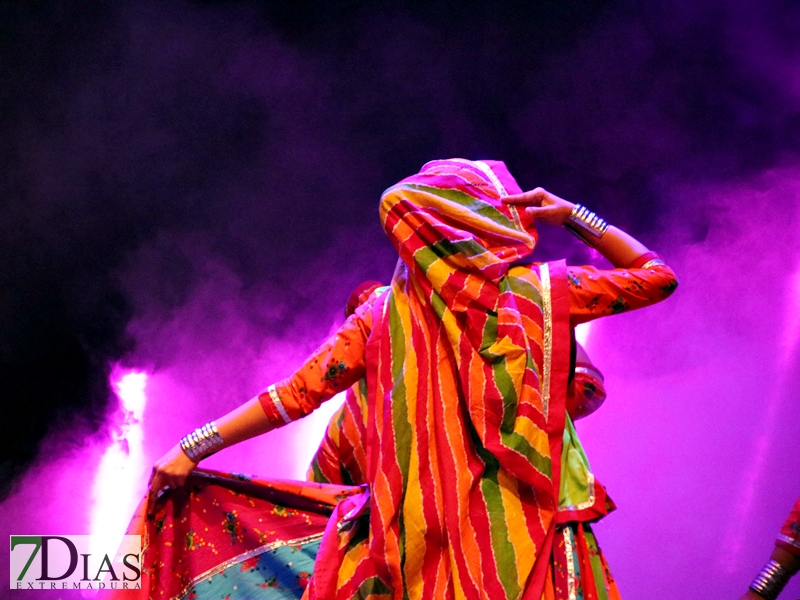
x: 585, y: 224
x: 201, y: 442
x: 770, y: 581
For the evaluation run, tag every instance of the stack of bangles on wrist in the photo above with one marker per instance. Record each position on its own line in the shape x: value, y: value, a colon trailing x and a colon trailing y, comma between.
x: 585, y: 224
x: 772, y: 579
x: 201, y: 442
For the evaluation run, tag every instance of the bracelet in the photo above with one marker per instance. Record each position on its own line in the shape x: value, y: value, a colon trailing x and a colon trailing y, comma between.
x: 201, y: 442
x: 770, y: 581
x: 583, y: 222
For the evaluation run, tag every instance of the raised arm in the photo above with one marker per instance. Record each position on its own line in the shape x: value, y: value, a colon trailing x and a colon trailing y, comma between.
x: 336, y: 365
x: 640, y: 279
x: 540, y: 206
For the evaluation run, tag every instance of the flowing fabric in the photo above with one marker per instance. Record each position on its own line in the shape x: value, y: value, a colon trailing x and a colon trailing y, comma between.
x: 466, y: 379
x: 465, y: 362
x: 230, y: 535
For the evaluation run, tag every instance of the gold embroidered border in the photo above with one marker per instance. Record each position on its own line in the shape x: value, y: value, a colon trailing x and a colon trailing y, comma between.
x: 570, y: 563
x: 276, y: 400
x: 250, y: 554
x: 544, y: 275
x: 492, y: 177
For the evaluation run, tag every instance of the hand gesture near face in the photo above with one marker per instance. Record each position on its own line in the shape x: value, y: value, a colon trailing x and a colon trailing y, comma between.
x: 540, y: 206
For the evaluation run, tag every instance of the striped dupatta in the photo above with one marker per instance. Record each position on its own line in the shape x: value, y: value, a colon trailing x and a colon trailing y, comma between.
x: 466, y: 375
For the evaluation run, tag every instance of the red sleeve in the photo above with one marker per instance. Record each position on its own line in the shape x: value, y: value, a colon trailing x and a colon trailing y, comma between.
x: 334, y: 367
x: 597, y: 293
x: 789, y: 537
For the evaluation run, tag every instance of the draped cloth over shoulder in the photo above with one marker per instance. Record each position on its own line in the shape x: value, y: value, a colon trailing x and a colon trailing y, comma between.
x: 466, y: 381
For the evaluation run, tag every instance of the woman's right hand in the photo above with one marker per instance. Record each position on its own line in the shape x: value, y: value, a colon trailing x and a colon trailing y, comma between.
x: 540, y: 206
x: 169, y: 472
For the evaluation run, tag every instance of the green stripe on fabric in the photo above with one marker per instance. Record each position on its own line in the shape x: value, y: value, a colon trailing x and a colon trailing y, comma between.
x: 525, y: 288
x: 489, y: 332
x: 347, y: 477
x: 317, y: 474
x: 481, y: 207
x: 502, y: 379
x: 518, y: 443
x: 373, y: 588
x: 505, y: 385
x: 428, y: 255
x: 597, y: 564
x: 505, y: 557
x: 438, y: 305
x: 400, y: 424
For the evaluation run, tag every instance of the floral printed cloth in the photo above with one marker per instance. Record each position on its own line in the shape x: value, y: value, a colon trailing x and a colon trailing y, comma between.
x: 228, y: 536
x: 278, y: 574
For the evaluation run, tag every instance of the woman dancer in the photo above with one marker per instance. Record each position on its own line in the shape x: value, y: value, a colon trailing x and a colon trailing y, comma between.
x: 466, y: 359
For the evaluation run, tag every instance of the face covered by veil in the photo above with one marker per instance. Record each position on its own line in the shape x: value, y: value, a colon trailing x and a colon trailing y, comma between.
x: 460, y: 370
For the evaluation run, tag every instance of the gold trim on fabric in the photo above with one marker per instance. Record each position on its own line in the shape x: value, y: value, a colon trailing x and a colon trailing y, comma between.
x: 276, y: 400
x: 586, y: 503
x: 492, y: 177
x: 250, y: 554
x: 788, y: 540
x: 547, y: 350
x: 570, y: 564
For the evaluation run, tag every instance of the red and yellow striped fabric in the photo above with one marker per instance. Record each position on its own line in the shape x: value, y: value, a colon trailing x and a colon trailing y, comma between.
x: 341, y: 456
x: 466, y: 363
x: 466, y: 375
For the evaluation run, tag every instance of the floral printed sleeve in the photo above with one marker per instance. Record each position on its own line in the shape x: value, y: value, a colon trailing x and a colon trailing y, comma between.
x: 334, y: 367
x: 789, y: 536
x: 597, y: 293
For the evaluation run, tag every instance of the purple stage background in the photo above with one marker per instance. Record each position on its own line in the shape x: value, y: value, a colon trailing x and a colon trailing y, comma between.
x: 190, y: 193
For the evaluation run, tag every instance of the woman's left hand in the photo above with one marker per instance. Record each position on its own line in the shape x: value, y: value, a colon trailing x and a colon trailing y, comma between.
x: 169, y: 472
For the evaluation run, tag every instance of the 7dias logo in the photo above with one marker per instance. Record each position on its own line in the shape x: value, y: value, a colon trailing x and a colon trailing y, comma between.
x: 74, y: 562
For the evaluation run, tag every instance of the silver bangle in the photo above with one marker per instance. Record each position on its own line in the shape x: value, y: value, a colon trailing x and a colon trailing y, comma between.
x: 201, y: 442
x: 770, y: 581
x: 583, y: 222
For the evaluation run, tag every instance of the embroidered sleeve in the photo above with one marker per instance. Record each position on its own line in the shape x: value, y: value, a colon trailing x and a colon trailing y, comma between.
x: 335, y: 366
x: 597, y: 293
x: 789, y: 536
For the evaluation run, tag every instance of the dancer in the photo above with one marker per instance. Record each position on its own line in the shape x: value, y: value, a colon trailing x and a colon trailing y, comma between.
x: 341, y: 456
x: 466, y: 359
x: 784, y: 562
x: 341, y: 459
